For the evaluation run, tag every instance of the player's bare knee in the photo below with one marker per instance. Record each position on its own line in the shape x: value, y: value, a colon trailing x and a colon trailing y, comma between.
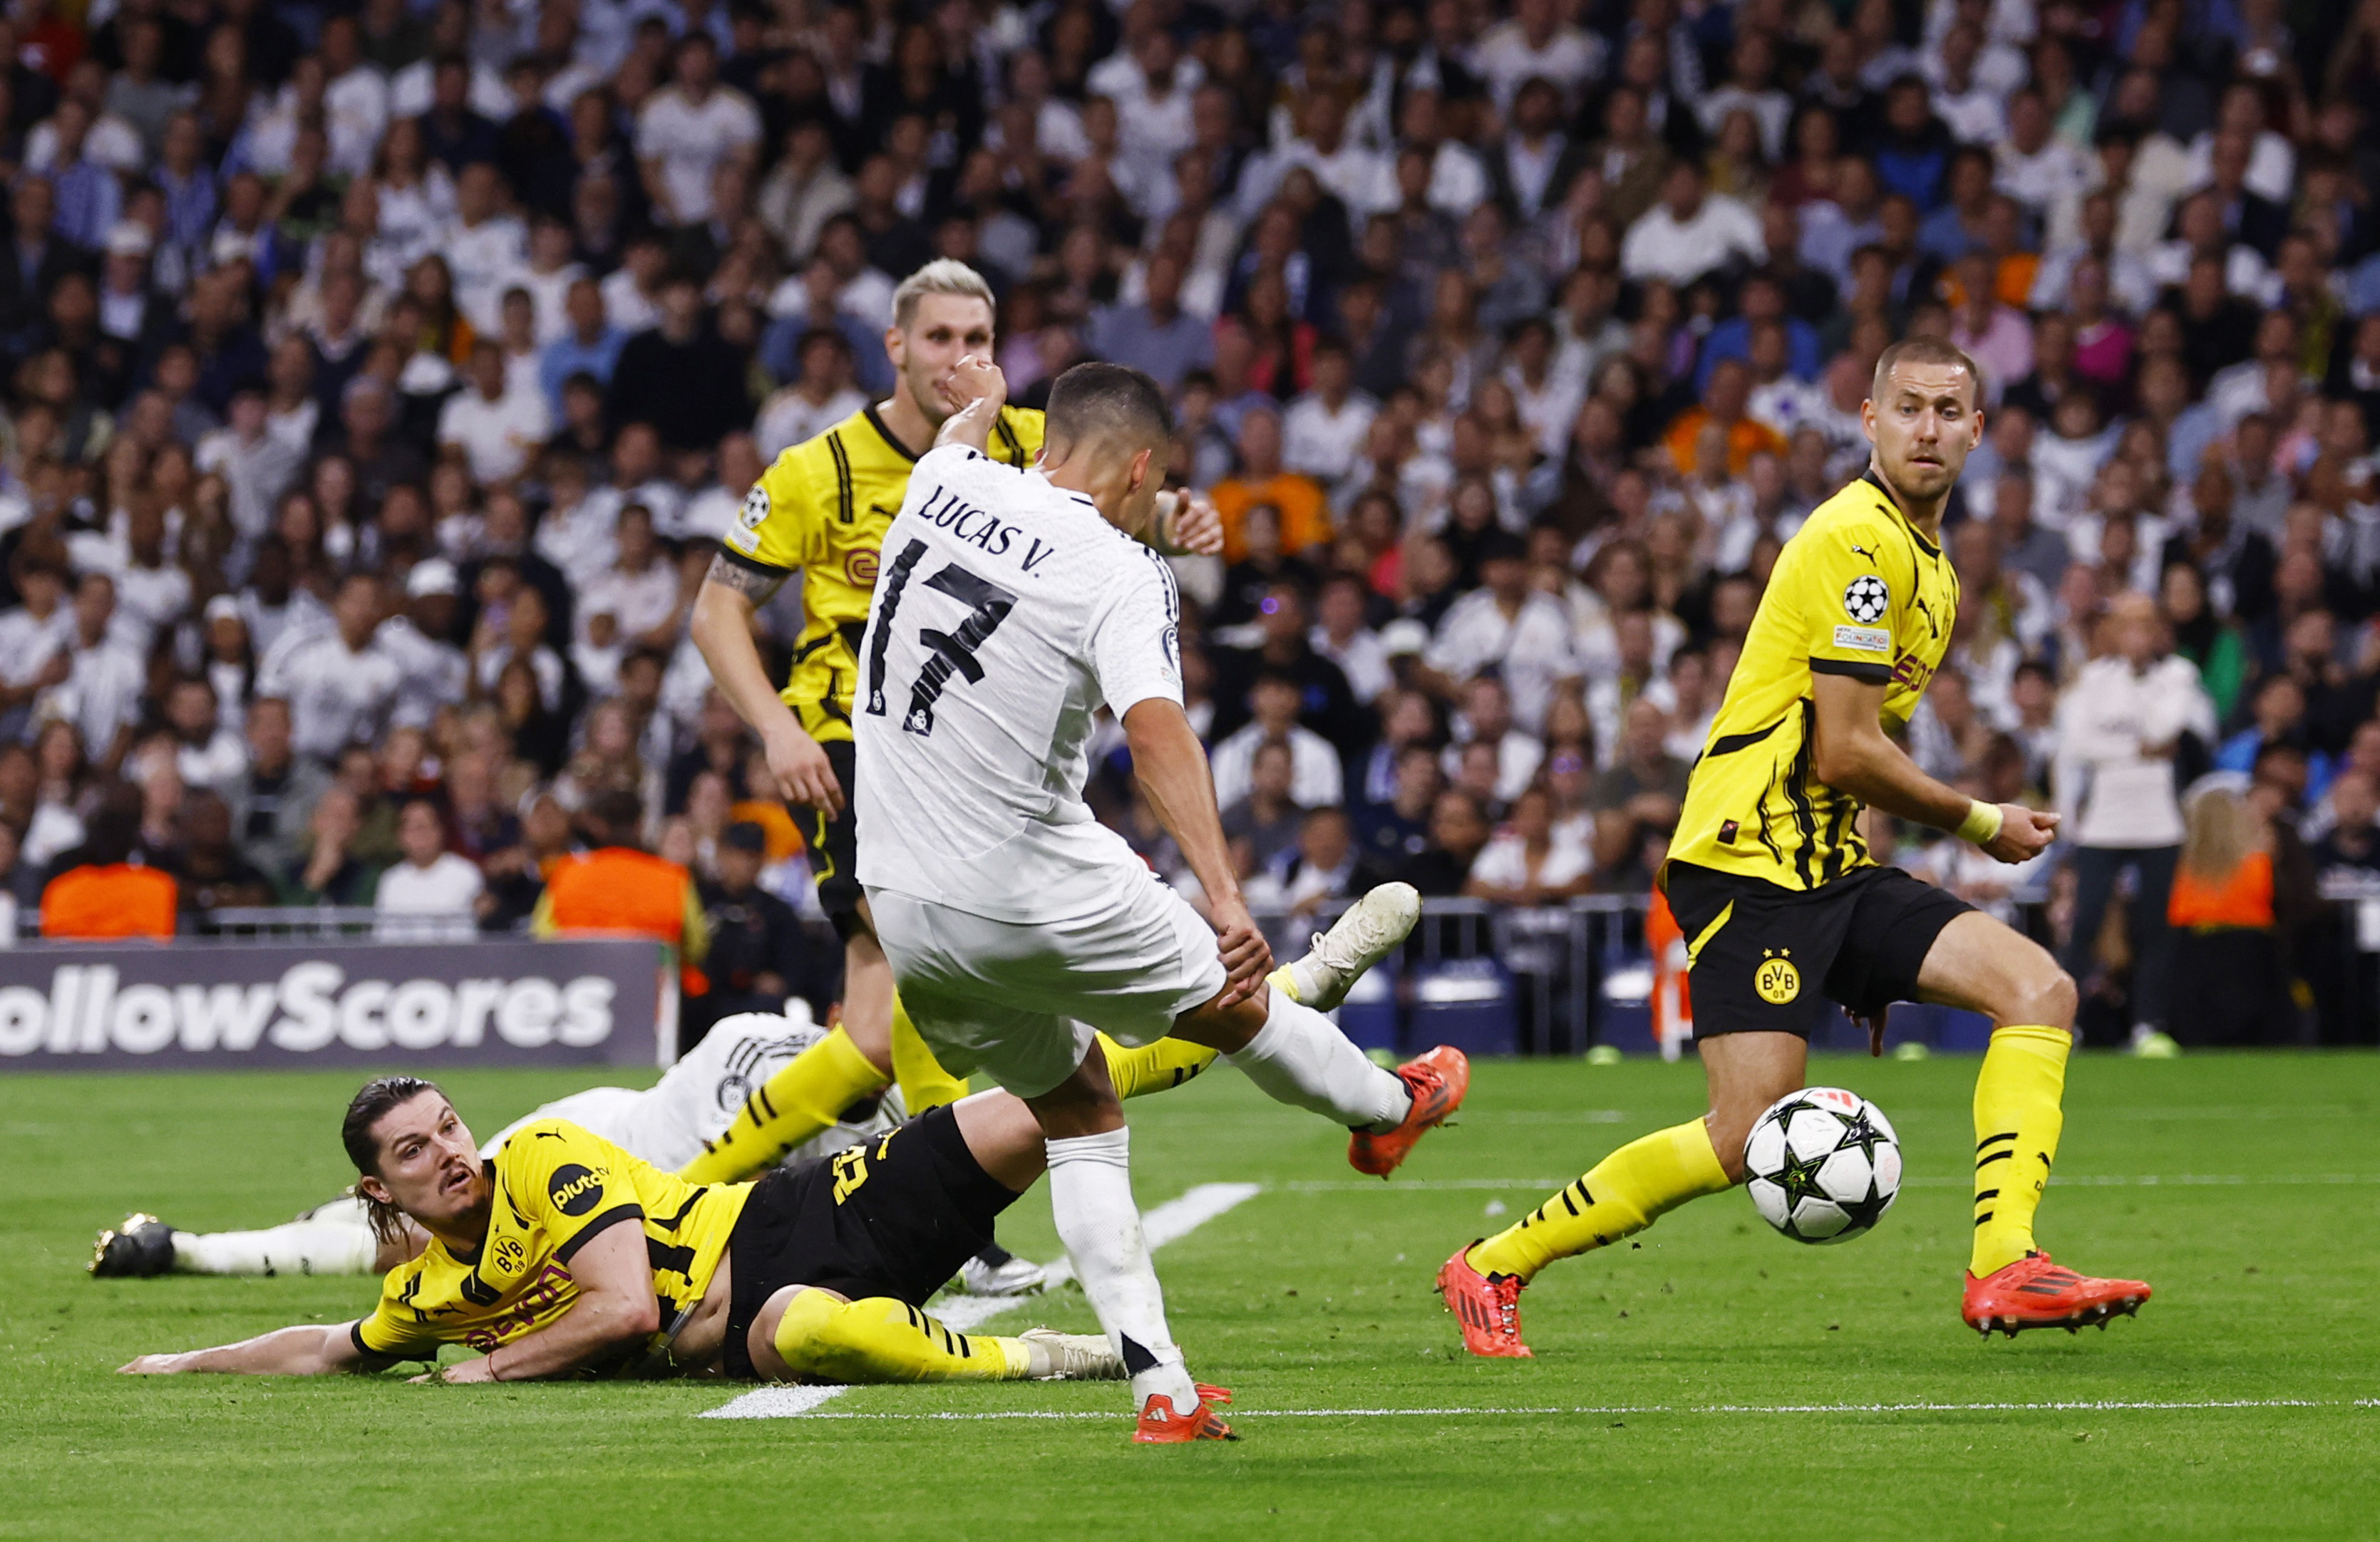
x: 2042, y: 994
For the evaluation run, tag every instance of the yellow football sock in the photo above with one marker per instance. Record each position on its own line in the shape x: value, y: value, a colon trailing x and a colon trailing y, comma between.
x: 1284, y: 981
x: 924, y: 1084
x: 879, y: 1339
x: 1622, y: 1193
x: 1156, y: 1067
x: 2017, y: 1124
x: 806, y: 1096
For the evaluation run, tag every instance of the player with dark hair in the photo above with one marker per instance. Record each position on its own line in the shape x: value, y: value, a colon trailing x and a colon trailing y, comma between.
x: 821, y: 509
x: 563, y: 1256
x: 1784, y: 906
x: 1016, y: 607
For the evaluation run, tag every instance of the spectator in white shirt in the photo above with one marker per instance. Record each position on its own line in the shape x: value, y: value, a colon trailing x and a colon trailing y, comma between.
x: 2117, y: 726
x: 151, y: 594
x: 1323, y: 430
x: 707, y: 514
x: 1316, y: 778
x: 483, y: 248
x: 497, y: 430
x: 2036, y: 166
x: 1339, y: 635
x: 432, y: 672
x: 631, y: 291
x: 1691, y: 232
x: 1537, y: 41
x: 207, y: 752
x: 636, y: 478
x: 101, y: 696
x: 338, y: 683
x: 1361, y: 178
x: 1487, y: 718
x: 640, y: 590
x: 33, y: 640
x: 1522, y: 632
x: 1153, y: 101
x: 355, y: 99
x: 431, y: 895
x: 1751, y: 88
x: 687, y: 129
x: 547, y: 275
x: 820, y: 396
x: 1315, y: 871
x: 519, y: 634
x: 1532, y: 860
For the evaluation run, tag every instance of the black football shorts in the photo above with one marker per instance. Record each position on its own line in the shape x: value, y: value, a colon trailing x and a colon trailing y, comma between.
x: 893, y: 1216
x: 1765, y: 957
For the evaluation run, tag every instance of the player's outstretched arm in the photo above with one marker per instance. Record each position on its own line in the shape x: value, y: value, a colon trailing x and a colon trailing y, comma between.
x: 722, y: 630
x: 975, y: 390
x: 308, y: 1349
x: 1851, y: 754
x: 615, y: 1308
x: 1171, y: 765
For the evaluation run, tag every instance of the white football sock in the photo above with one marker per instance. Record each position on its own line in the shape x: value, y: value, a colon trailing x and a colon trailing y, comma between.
x: 1090, y: 1197
x: 1299, y: 1058
x: 324, y: 1245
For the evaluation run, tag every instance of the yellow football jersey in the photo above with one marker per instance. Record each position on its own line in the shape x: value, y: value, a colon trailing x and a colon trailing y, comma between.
x: 1858, y: 591
x: 556, y: 1187
x: 823, y: 508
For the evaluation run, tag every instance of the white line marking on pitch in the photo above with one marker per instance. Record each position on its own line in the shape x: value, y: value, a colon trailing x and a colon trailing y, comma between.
x: 2148, y: 1180
x: 1780, y: 1408
x: 1169, y: 1222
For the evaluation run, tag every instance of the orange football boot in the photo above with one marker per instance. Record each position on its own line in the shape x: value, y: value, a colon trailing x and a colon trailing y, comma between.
x: 1438, y: 1081
x: 1161, y: 1426
x: 2035, y: 1292
x: 1487, y: 1305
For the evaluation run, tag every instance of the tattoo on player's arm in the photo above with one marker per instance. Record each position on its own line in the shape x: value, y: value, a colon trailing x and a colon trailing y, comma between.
x: 756, y: 587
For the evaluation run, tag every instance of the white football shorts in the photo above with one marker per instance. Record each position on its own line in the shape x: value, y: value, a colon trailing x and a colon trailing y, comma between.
x: 1020, y: 1000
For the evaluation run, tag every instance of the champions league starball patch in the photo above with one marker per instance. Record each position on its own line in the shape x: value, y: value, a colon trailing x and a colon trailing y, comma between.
x: 1866, y: 598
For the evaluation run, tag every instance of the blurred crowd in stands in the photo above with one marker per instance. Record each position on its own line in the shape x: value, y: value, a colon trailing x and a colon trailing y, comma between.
x: 378, y: 378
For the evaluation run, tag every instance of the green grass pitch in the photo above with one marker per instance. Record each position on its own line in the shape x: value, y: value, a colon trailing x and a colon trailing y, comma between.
x: 1717, y: 1380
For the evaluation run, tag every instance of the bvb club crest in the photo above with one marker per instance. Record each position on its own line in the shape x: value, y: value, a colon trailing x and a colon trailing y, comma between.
x: 1777, y: 980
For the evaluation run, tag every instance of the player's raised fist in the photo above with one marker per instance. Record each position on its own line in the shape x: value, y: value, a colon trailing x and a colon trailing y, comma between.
x: 975, y: 382
x: 2024, y: 834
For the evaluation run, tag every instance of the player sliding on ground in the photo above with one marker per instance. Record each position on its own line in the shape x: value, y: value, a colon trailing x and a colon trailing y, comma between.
x: 1784, y: 906
x: 688, y: 1111
x: 1013, y: 606
x: 564, y: 1255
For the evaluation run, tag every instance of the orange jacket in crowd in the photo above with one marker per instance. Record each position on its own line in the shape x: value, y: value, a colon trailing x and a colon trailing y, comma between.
x: 1304, y: 511
x: 118, y: 901
x: 2244, y: 900
x: 619, y: 888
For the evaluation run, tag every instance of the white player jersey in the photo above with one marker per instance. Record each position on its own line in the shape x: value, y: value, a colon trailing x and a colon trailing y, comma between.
x: 1007, y: 611
x: 701, y: 1095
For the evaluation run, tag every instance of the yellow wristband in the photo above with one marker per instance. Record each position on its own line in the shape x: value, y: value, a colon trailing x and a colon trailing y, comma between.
x: 1983, y: 822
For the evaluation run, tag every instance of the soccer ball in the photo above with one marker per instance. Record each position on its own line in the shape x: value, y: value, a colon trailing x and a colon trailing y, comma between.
x: 1823, y: 1164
